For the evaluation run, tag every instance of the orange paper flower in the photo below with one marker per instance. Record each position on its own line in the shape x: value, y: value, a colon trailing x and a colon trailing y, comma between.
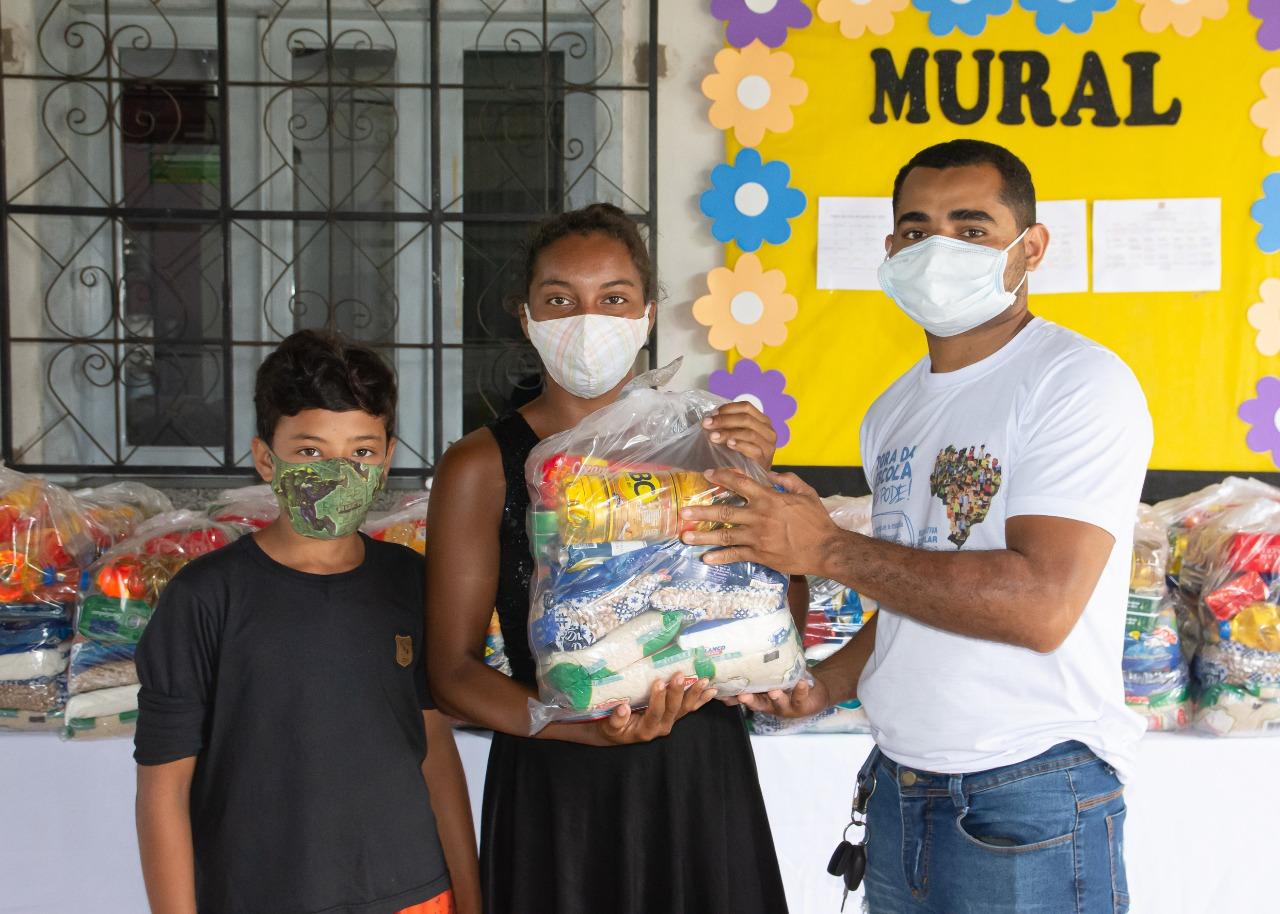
x: 1265, y: 318
x: 1266, y: 113
x: 1185, y: 16
x: 753, y: 91
x: 748, y: 307
x: 858, y: 16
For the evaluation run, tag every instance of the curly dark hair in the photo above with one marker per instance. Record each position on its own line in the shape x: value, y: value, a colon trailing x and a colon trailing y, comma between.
x: 596, y: 219
x: 313, y: 369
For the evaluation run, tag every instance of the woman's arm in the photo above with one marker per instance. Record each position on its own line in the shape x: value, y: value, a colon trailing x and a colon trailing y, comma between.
x: 467, y: 497
x: 451, y: 803
x: 163, y: 812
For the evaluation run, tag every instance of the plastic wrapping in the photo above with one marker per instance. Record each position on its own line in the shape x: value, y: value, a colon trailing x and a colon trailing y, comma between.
x: 1156, y: 681
x: 618, y: 601
x: 407, y: 525
x: 1236, y: 557
x: 33, y: 654
x: 114, y: 511
x: 122, y: 590
x: 31, y: 721
x: 105, y: 713
x: 1183, y: 516
x: 836, y: 614
x: 46, y: 541
x: 252, y: 507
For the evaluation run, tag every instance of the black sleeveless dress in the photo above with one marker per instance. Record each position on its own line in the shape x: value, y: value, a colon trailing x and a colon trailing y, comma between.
x: 673, y: 826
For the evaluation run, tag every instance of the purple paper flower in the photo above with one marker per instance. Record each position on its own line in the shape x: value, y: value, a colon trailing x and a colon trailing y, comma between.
x: 765, y: 390
x: 1269, y: 32
x: 1264, y: 423
x: 764, y: 20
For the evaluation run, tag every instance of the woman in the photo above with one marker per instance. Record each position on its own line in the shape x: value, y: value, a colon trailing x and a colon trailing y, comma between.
x: 647, y: 812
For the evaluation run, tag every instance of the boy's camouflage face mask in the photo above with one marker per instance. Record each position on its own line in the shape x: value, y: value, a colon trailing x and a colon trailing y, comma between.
x: 326, y: 499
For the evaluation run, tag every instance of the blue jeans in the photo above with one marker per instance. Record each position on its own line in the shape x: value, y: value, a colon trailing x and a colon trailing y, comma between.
x: 1045, y: 836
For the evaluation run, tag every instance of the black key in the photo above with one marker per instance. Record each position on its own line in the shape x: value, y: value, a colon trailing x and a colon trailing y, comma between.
x: 856, y: 868
x: 840, y: 859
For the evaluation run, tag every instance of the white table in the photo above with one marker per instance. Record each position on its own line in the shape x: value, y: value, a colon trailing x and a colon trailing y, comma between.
x: 1202, y: 823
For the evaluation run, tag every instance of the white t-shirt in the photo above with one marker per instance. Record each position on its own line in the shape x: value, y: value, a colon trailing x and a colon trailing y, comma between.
x: 1053, y: 425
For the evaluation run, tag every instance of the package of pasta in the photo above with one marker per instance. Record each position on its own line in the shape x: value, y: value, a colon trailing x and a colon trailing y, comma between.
x: 122, y: 589
x: 114, y: 511
x: 46, y: 542
x: 618, y: 601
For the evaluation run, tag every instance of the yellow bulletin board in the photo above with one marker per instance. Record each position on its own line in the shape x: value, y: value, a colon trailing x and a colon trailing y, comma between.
x: 797, y: 83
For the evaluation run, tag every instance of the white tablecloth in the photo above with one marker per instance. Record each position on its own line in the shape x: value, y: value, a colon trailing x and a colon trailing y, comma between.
x: 1202, y: 823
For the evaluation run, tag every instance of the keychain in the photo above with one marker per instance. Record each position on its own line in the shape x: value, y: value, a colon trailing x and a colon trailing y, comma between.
x: 850, y: 860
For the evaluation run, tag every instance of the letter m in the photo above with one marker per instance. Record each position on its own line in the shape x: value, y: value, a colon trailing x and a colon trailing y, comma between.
x: 896, y: 88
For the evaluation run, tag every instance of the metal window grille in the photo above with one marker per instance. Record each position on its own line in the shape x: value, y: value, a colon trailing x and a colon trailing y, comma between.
x: 186, y: 182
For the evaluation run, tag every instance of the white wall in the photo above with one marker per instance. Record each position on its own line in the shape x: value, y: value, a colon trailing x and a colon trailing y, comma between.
x: 688, y: 148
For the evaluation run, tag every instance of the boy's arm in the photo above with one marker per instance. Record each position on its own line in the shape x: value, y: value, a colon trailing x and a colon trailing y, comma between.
x: 451, y: 803
x: 164, y: 836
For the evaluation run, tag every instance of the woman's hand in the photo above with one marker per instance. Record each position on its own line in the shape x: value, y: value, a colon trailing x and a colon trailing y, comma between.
x: 743, y: 428
x: 668, y: 702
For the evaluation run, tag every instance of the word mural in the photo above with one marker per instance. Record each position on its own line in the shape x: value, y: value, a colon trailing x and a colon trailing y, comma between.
x: 1024, y: 75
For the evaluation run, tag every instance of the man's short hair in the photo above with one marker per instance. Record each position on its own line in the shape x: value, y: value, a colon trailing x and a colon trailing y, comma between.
x: 314, y: 369
x: 1017, y: 192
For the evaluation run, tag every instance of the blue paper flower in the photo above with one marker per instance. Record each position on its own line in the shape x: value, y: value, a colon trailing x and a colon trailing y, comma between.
x: 1266, y: 212
x: 749, y: 201
x: 969, y: 16
x: 1076, y: 15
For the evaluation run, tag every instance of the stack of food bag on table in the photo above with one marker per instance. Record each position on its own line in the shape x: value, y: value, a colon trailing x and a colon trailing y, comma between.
x: 618, y: 601
x: 46, y: 542
x: 1156, y: 682
x: 251, y: 507
x: 119, y: 597
x: 836, y: 614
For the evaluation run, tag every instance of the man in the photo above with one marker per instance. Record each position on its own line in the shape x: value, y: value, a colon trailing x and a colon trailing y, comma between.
x: 992, y: 674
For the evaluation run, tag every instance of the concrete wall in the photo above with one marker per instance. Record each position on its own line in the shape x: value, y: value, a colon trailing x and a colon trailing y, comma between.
x: 688, y: 148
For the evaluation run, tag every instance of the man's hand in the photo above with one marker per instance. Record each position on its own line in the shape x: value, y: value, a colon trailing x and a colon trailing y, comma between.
x: 743, y: 428
x: 802, y: 701
x: 668, y: 702
x: 789, y: 531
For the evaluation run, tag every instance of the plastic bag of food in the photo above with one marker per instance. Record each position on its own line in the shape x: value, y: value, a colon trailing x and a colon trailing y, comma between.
x: 251, y: 507
x: 123, y: 588
x: 406, y: 526
x: 1236, y: 669
x: 835, y: 615
x: 1185, y: 515
x: 46, y: 541
x: 114, y: 511
x: 618, y: 601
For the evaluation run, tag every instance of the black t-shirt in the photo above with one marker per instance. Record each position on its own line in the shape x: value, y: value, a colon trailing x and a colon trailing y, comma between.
x: 300, y: 696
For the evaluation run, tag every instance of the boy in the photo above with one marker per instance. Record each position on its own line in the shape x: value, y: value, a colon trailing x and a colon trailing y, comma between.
x: 284, y: 722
